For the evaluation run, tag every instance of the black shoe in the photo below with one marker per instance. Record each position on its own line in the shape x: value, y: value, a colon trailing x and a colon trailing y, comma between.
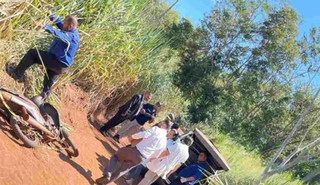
x: 11, y: 71
x: 116, y: 138
x: 104, y: 179
x: 38, y: 100
x: 104, y: 133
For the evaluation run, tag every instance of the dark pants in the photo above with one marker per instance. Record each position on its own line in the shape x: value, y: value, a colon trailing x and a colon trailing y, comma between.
x: 122, y: 161
x: 53, y: 67
x: 114, y: 121
x: 135, y: 172
x: 177, y: 182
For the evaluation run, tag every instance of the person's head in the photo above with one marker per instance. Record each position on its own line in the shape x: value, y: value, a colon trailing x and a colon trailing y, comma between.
x: 70, y: 22
x: 166, y: 124
x: 202, y: 156
x: 171, y: 117
x: 158, y: 106
x: 188, y: 140
x: 175, y: 126
x: 172, y: 133
x: 147, y: 96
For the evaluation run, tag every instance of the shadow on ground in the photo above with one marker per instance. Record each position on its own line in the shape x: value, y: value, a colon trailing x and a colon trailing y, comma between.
x: 87, y: 174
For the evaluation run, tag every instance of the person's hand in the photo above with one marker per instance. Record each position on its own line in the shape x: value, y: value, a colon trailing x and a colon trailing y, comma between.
x: 151, y: 120
x: 142, y: 111
x: 38, y: 24
x: 183, y: 180
x: 39, y: 5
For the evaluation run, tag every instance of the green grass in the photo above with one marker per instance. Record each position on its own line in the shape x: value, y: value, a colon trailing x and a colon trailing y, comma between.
x: 122, y: 46
x: 245, y: 166
x: 115, y: 41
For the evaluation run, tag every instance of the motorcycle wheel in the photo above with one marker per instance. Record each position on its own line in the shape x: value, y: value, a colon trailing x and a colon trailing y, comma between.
x: 30, y: 140
x: 71, y: 149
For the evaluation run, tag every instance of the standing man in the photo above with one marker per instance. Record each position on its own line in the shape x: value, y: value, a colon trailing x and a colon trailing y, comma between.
x: 59, y: 57
x: 133, y: 126
x: 164, y: 167
x: 152, y: 144
x: 193, y: 172
x: 127, y: 111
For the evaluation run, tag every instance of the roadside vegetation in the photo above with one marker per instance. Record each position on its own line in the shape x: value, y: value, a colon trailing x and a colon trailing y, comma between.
x: 245, y: 73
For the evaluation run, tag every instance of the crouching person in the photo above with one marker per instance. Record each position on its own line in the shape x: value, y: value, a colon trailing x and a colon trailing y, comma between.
x: 128, y: 111
x: 193, y: 172
x: 146, y: 115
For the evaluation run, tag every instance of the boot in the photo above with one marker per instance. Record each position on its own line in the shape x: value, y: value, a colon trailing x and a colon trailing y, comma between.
x: 12, y: 72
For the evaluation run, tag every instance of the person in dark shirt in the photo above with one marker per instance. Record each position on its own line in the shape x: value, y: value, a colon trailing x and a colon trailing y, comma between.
x: 147, y: 114
x: 59, y: 57
x: 193, y: 172
x: 128, y: 111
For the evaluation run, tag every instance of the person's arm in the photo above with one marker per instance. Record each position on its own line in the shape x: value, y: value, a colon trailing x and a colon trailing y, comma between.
x: 135, y: 139
x: 174, y: 170
x: 60, y: 34
x: 136, y: 136
x: 145, y: 108
x: 56, y: 20
x: 151, y: 120
x: 163, y: 154
x: 189, y: 179
x: 150, y: 116
x: 141, y: 135
x: 196, y: 176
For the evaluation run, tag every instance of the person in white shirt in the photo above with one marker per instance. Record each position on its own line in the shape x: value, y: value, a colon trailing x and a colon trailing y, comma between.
x: 165, y: 166
x: 135, y: 172
x: 153, y: 143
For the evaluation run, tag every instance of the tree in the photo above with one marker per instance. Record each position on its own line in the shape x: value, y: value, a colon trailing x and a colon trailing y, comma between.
x: 241, y: 71
x: 307, y: 153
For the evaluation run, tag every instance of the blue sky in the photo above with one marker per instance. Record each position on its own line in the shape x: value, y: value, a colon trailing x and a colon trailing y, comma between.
x: 195, y: 9
x: 309, y: 11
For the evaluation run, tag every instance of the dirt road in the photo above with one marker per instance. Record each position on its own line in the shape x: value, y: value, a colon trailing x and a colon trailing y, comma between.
x: 44, y: 166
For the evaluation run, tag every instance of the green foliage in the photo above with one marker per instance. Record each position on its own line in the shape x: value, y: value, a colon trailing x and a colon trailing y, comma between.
x: 242, y: 69
x: 121, y: 48
x: 245, y: 166
x: 179, y: 33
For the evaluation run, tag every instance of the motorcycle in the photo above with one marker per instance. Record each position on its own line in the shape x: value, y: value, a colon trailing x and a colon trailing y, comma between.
x: 34, y: 122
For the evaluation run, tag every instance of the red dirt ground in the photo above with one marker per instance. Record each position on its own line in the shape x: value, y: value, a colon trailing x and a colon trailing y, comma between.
x: 42, y: 166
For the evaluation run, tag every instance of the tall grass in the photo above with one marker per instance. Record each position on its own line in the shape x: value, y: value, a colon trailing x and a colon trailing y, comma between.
x: 245, y: 166
x: 117, y: 43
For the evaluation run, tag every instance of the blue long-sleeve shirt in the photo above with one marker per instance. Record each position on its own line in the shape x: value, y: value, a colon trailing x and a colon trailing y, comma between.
x: 65, y: 43
x: 193, y: 170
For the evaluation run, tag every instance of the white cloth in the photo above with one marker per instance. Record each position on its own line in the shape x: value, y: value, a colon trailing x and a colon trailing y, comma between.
x: 141, y: 105
x: 149, y: 178
x: 169, y: 143
x: 179, y: 153
x: 154, y: 141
